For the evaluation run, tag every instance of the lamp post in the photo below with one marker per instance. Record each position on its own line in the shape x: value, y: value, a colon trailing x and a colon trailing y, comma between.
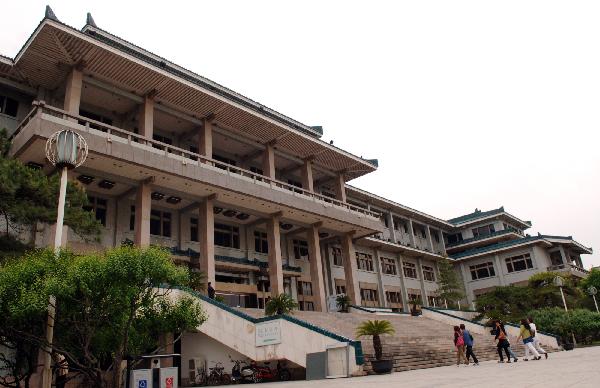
x: 559, y: 282
x: 66, y: 150
x: 593, y: 291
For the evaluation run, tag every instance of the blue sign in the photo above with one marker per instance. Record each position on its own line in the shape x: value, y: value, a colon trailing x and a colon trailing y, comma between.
x: 143, y: 384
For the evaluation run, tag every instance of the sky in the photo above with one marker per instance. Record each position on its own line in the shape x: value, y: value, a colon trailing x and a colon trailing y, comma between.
x: 466, y: 104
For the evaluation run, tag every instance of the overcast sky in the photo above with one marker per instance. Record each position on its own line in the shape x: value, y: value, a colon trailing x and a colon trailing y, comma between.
x: 465, y: 103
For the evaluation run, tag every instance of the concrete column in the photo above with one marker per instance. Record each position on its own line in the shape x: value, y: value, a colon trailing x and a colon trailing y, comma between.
x: 411, y: 234
x: 316, y: 268
x: 422, y: 281
x: 73, y: 88
x: 500, y: 270
x: 146, y: 124
x: 390, y: 218
x: 465, y: 277
x: 307, y: 176
x: 275, y: 262
x: 269, y: 161
x: 563, y: 254
x: 429, y: 239
x: 205, y: 144
x: 339, y: 187
x: 206, y: 238
x: 382, y: 299
x: 350, y: 269
x: 443, y: 242
x: 142, y: 215
x: 405, y: 306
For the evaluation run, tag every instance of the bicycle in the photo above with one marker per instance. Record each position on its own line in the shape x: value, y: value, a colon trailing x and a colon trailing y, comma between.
x: 217, y: 376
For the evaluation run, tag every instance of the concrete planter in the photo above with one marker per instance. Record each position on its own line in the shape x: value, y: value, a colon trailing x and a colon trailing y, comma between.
x: 382, y: 366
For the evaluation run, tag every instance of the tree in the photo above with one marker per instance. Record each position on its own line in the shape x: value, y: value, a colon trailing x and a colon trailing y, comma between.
x: 280, y: 304
x: 29, y: 197
x: 109, y: 305
x: 509, y: 303
x: 376, y: 329
x: 546, y: 294
x: 593, y: 279
x: 342, y: 302
x: 450, y: 286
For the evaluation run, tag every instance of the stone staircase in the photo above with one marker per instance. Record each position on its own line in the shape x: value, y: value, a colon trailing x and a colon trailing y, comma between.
x: 419, y: 342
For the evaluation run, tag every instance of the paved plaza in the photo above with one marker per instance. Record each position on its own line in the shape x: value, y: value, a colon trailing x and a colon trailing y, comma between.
x: 578, y: 368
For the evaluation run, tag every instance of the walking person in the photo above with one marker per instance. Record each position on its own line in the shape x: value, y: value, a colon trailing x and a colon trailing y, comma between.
x: 526, y: 333
x: 468, y: 340
x: 459, y: 342
x: 536, y: 340
x: 503, y: 343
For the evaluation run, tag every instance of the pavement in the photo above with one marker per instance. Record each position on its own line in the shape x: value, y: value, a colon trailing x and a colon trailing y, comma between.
x: 577, y: 368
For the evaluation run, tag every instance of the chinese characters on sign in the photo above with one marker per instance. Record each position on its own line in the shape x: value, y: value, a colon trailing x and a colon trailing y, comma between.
x: 268, y: 333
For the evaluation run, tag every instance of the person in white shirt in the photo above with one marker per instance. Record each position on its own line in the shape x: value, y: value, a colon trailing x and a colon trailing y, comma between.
x: 536, y: 341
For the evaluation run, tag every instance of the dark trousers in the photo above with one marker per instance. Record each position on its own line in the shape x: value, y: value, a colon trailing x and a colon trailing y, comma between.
x: 503, y: 344
x: 470, y: 353
x: 61, y: 380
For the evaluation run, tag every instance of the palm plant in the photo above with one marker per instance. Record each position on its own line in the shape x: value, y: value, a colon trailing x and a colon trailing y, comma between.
x: 343, y: 301
x: 375, y: 328
x: 280, y: 304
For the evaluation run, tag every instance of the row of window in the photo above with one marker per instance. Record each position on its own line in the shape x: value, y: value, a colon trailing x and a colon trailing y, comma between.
x: 9, y: 106
x: 402, y: 225
x: 513, y: 264
x: 365, y: 262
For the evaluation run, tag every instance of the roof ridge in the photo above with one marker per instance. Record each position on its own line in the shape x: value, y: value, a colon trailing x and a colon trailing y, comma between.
x: 490, y: 247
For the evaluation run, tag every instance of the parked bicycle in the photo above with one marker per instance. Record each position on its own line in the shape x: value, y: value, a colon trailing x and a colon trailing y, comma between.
x: 217, y: 375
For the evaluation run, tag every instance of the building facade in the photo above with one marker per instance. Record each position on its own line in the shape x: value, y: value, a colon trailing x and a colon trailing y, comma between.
x: 249, y: 196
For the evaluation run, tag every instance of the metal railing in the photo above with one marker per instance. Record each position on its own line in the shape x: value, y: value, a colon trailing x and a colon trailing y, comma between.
x: 113, y: 132
x: 569, y: 267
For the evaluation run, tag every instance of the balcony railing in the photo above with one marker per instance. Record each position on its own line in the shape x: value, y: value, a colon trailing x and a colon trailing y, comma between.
x: 186, y: 156
x: 472, y: 239
x: 379, y: 236
x: 568, y: 267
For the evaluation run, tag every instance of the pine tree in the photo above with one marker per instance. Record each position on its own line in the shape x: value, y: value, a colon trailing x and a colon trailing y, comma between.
x: 450, y: 286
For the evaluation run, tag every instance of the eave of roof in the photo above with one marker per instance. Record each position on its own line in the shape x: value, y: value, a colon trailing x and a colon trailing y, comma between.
x: 356, y: 166
x: 481, y: 215
x: 549, y: 240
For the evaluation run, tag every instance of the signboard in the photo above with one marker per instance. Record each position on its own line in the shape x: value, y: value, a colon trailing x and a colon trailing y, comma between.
x: 268, y: 333
x: 141, y: 378
x: 168, y: 378
x: 332, y: 305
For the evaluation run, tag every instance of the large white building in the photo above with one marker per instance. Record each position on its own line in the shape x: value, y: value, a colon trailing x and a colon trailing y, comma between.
x: 250, y: 196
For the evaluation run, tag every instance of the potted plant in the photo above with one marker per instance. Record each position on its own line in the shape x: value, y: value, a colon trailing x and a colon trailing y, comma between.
x: 376, y: 329
x: 414, y: 311
x: 343, y: 302
x: 280, y: 304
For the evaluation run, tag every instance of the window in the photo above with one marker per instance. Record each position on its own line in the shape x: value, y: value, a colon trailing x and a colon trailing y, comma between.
x: 306, y: 306
x: 305, y: 288
x: 410, y: 270
x: 223, y: 159
x: 300, y: 249
x: 97, y: 206
x: 340, y: 290
x: 337, y: 256
x: 227, y: 236
x: 481, y: 271
x: 194, y: 229
x: 8, y: 106
x: 368, y: 295
x: 132, y: 218
x: 483, y: 231
x: 388, y: 266
x: 518, y: 263
x: 436, y: 237
x: 393, y: 297
x: 160, y: 223
x: 556, y: 258
x: 384, y: 218
x: 364, y: 262
x: 428, y: 273
x: 261, y: 244
x: 455, y: 238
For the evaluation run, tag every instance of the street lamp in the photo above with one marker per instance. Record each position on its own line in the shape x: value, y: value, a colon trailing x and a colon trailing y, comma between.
x: 66, y: 150
x: 559, y: 282
x: 593, y: 291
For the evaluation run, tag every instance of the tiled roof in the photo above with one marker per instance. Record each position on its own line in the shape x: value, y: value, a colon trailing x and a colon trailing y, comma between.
x: 510, y: 243
x: 475, y: 215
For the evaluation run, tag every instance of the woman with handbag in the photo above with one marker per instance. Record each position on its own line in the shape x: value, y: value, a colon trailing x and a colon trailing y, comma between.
x: 459, y: 342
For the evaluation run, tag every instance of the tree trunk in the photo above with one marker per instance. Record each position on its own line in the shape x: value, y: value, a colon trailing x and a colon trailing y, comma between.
x: 33, y: 234
x: 117, y: 372
x: 377, y: 347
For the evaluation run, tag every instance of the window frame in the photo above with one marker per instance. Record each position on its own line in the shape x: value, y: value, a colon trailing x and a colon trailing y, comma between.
x: 524, y: 258
x: 165, y: 223
x: 364, y: 262
x: 488, y: 265
x: 261, y: 241
x: 427, y: 269
x: 388, y: 266
x: 95, y: 206
x: 411, y: 268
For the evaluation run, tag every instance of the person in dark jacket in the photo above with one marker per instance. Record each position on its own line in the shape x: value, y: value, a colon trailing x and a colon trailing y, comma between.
x: 503, y: 343
x: 468, y: 338
x: 211, y: 291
